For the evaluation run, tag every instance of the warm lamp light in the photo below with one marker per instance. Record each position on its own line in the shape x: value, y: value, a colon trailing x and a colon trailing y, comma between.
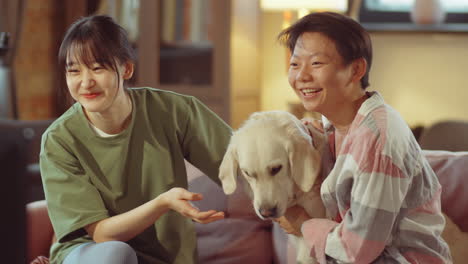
x: 313, y: 5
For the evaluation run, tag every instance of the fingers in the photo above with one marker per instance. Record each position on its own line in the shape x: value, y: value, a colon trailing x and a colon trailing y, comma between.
x: 313, y: 123
x: 279, y: 219
x: 204, y: 217
x: 287, y: 226
x: 181, y: 202
x: 195, y: 197
x: 293, y: 213
x: 190, y: 196
x: 208, y: 216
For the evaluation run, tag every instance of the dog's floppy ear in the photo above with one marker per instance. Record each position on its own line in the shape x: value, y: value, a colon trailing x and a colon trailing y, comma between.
x: 228, y: 170
x: 304, y: 160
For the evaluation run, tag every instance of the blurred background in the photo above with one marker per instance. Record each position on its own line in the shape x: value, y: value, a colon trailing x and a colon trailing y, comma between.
x: 225, y: 52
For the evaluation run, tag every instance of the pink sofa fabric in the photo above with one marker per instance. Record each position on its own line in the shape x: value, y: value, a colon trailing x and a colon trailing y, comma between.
x: 452, y: 170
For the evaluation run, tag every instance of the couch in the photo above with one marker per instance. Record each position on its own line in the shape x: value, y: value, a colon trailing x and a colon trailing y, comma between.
x: 29, y: 133
x: 243, y: 238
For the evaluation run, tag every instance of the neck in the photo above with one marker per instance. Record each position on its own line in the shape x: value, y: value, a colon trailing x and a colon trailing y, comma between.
x: 343, y: 119
x: 116, y: 119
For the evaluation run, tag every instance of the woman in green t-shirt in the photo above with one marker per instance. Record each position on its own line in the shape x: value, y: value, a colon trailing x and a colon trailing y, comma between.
x: 113, y: 165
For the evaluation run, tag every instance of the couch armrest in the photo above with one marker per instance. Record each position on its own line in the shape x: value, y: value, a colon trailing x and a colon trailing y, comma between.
x: 450, y: 168
x: 39, y: 230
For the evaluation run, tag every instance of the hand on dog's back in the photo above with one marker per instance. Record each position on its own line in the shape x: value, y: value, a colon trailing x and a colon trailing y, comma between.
x: 312, y: 123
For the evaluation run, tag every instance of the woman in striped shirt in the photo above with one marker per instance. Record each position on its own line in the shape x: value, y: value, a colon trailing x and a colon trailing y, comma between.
x: 382, y: 196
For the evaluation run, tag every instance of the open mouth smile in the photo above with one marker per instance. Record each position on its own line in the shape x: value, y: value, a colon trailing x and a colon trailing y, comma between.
x: 310, y: 91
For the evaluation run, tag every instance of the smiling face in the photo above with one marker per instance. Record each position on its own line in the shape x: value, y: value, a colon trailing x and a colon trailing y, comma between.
x: 97, y: 87
x: 319, y: 76
x: 97, y: 57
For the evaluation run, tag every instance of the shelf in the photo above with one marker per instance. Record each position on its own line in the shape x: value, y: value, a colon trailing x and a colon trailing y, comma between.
x: 410, y: 27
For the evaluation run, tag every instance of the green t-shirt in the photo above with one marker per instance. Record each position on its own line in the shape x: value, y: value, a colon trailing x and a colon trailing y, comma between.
x: 88, y: 178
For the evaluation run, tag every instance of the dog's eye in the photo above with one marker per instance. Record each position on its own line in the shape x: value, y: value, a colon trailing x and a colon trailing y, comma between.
x: 246, y: 173
x: 275, y: 170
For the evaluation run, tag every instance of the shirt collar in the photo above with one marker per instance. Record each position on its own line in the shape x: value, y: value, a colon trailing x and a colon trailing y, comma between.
x: 374, y: 101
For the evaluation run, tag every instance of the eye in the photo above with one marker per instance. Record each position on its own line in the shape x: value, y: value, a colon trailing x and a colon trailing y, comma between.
x: 275, y: 170
x: 72, y: 71
x: 246, y: 173
x: 317, y: 63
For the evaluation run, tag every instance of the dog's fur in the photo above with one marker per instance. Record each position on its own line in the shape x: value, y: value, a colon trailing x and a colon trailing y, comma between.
x: 280, y: 162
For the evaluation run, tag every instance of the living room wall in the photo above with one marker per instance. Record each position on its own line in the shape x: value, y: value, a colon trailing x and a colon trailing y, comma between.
x: 424, y: 76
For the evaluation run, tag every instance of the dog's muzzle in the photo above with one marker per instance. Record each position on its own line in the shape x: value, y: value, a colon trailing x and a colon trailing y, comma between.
x: 268, y: 212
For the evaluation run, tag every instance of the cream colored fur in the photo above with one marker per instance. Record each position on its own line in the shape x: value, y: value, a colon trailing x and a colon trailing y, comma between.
x: 280, y: 161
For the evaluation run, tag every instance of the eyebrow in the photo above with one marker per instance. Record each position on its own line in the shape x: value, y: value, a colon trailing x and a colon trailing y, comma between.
x: 73, y: 63
x: 313, y: 54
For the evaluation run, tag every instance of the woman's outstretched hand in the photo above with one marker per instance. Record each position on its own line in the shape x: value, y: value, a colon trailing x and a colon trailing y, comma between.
x: 178, y: 199
x: 125, y: 226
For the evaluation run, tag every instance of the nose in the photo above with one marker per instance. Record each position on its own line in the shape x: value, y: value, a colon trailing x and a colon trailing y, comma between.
x: 268, y: 212
x: 87, y: 80
x: 304, y: 75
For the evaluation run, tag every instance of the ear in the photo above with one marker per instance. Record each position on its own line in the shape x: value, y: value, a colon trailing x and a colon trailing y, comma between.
x: 228, y: 170
x: 318, y: 137
x: 359, y: 68
x: 128, y: 70
x: 304, y: 161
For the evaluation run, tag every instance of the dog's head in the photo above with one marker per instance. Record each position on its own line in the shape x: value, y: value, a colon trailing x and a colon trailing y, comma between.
x: 275, y: 154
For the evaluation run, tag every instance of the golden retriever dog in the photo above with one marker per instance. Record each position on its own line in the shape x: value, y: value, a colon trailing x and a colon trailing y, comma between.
x: 280, y: 161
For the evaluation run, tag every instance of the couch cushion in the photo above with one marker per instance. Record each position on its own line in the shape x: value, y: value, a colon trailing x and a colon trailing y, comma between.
x: 452, y: 170
x: 240, y: 238
x: 448, y: 135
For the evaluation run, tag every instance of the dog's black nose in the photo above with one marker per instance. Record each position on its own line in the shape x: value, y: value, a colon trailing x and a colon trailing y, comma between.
x: 268, y: 212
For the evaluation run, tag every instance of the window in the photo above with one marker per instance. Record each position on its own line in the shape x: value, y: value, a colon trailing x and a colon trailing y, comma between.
x: 451, y: 6
x: 393, y: 13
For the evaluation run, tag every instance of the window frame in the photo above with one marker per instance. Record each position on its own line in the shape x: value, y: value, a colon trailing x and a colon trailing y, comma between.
x: 394, y: 20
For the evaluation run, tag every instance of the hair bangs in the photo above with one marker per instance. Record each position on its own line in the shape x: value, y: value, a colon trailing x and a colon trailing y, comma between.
x: 85, y: 47
x: 88, y: 53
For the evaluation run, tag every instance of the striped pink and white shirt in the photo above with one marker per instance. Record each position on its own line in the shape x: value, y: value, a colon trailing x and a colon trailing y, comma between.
x: 382, y: 195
